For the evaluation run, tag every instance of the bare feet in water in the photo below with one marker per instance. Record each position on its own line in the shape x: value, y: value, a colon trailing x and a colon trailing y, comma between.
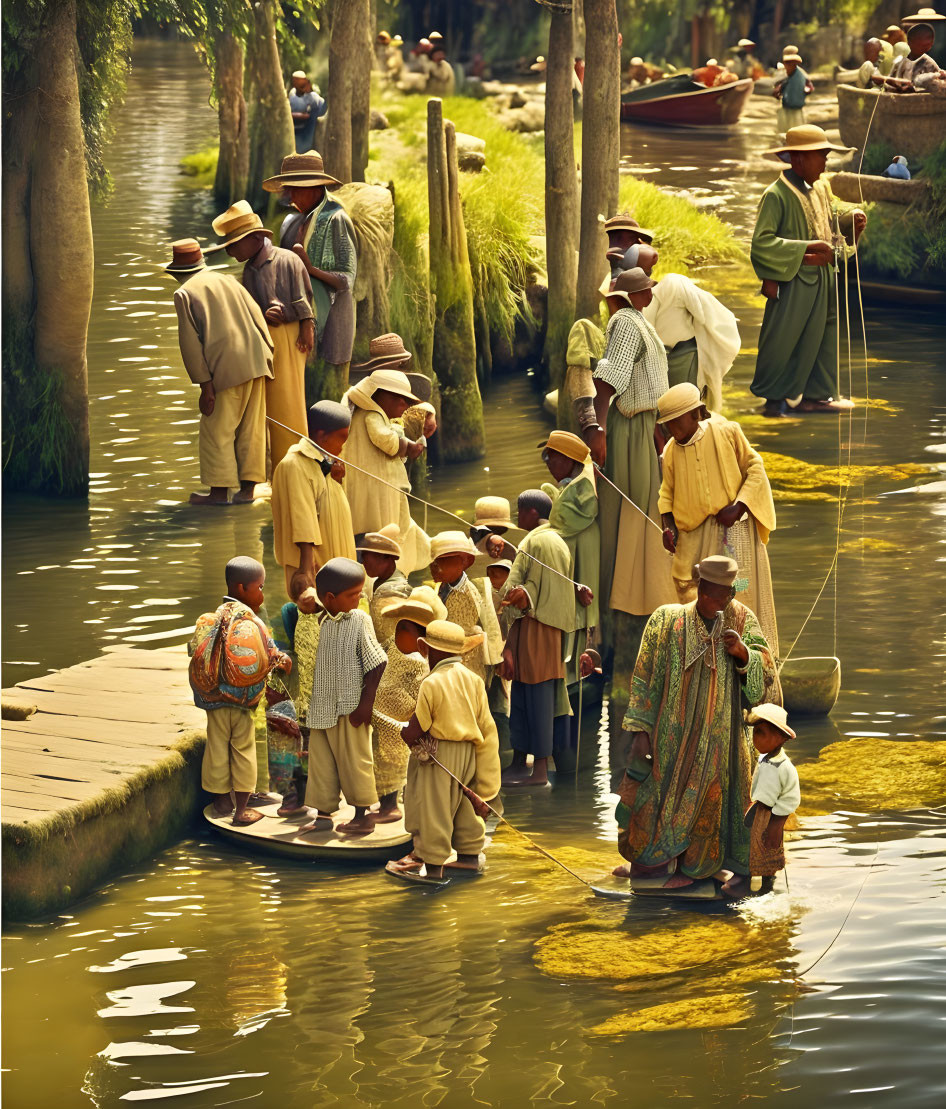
x: 736, y: 887
x: 252, y: 491
x: 214, y: 499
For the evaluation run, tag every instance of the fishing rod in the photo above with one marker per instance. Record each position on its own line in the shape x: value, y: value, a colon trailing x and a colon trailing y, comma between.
x: 420, y: 500
x: 602, y: 474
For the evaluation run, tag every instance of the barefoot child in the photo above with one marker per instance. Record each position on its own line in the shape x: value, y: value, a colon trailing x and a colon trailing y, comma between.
x: 397, y: 693
x: 232, y: 654
x: 453, y: 715
x: 349, y: 663
x: 379, y: 554
x: 775, y: 795
x: 715, y: 499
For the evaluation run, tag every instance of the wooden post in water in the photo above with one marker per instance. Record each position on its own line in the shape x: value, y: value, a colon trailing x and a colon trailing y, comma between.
x: 451, y: 284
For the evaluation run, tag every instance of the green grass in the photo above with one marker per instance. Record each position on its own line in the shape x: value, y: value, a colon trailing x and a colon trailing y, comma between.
x: 201, y: 166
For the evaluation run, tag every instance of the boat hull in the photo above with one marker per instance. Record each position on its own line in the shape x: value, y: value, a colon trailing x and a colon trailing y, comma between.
x: 720, y: 106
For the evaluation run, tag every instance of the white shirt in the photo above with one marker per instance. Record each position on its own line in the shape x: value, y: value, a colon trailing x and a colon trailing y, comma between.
x: 775, y: 783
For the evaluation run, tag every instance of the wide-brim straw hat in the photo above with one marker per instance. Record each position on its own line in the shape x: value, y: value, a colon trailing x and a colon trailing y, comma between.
x: 378, y: 543
x: 745, y: 44
x: 421, y: 607
x: 186, y: 257
x: 678, y: 401
x: 568, y: 444
x: 807, y: 136
x: 794, y: 56
x: 717, y: 569
x: 502, y: 564
x: 451, y: 542
x: 630, y: 281
x: 924, y: 15
x: 392, y: 381
x: 445, y: 636
x: 625, y: 222
x: 771, y: 714
x: 304, y: 170
x: 492, y: 512
x: 238, y: 221
x: 385, y: 350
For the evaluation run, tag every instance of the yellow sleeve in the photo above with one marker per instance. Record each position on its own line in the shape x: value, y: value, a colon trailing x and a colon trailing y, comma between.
x: 382, y: 433
x: 426, y: 704
x: 755, y: 492
x: 486, y: 780
x: 665, y: 496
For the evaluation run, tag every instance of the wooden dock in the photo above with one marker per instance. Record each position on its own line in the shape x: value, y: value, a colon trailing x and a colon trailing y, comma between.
x: 105, y: 772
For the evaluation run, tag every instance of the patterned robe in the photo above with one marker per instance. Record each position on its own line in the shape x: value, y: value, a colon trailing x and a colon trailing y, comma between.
x: 686, y: 694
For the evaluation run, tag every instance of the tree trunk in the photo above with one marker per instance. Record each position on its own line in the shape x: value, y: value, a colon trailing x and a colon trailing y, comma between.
x: 233, y: 160
x: 454, y: 352
x: 349, y: 91
x: 561, y: 197
x: 271, y: 136
x: 600, y: 146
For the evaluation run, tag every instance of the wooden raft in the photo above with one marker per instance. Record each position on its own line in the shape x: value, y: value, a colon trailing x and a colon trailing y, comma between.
x: 96, y: 725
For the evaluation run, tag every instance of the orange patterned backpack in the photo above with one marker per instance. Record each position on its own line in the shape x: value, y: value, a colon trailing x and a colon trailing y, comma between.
x: 231, y: 657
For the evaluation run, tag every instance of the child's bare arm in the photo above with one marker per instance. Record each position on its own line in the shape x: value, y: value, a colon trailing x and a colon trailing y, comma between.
x: 412, y: 731
x: 362, y: 713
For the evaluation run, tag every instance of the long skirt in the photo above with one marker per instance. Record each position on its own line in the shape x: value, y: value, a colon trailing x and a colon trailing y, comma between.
x: 764, y: 861
x: 683, y: 363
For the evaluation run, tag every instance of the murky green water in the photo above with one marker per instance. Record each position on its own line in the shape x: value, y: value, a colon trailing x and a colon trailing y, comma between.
x: 214, y: 978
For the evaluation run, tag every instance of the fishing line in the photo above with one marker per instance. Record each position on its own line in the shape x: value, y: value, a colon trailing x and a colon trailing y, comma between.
x: 602, y: 474
x: 414, y: 497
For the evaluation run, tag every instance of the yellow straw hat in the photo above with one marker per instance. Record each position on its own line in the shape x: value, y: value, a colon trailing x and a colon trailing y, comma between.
x: 924, y: 15
x: 421, y: 607
x: 807, y: 136
x: 492, y: 512
x: 677, y: 401
x: 451, y: 542
x: 771, y: 714
x: 568, y: 444
x: 238, y: 221
x: 445, y: 636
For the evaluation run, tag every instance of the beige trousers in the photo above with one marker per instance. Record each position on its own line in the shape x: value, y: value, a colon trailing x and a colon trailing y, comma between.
x: 340, y: 762
x: 230, y: 753
x: 285, y: 391
x: 232, y: 444
x: 436, y: 813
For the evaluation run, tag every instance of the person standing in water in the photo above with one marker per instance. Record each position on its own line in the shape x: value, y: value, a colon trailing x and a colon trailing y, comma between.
x: 792, y: 91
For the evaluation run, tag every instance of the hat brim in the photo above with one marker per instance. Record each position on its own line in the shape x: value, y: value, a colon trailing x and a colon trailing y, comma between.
x: 780, y: 153
x: 408, y: 610
x: 676, y: 413
x: 374, y: 550
x: 303, y: 179
x: 698, y: 577
x: 492, y: 522
x: 469, y: 643
x: 382, y: 360
x: 909, y: 20
x: 545, y: 445
x: 230, y: 240
x: 754, y: 718
x: 642, y: 232
x: 171, y: 268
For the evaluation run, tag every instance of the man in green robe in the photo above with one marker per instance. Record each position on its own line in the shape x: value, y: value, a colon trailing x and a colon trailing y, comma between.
x: 686, y: 790
x: 800, y: 238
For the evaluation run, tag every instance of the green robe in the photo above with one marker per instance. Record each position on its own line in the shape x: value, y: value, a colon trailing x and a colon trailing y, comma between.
x: 686, y: 694
x: 798, y: 341
x: 574, y: 516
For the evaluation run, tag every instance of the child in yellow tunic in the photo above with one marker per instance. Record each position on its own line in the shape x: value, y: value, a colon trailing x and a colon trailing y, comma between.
x: 715, y: 499
x: 397, y: 692
x: 453, y: 718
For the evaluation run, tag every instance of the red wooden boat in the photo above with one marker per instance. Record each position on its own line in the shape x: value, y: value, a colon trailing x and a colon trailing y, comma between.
x: 681, y: 102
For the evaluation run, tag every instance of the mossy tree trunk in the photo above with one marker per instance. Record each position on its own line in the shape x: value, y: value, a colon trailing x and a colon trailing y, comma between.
x: 454, y: 350
x: 561, y: 196
x: 600, y: 146
x: 271, y: 134
x: 349, y: 90
x: 47, y: 264
x: 233, y: 161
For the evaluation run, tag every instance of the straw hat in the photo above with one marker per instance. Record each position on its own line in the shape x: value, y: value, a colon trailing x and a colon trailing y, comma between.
x: 383, y: 38
x: 790, y: 54
x: 186, y: 257
x: 435, y: 37
x: 300, y: 169
x: 924, y: 15
x: 630, y: 281
x: 378, y: 543
x: 385, y: 350
x: 502, y: 563
x: 238, y: 221
x: 677, y: 401
x: 445, y: 636
x: 420, y: 607
x: 568, y: 444
x: 393, y: 381
x: 451, y: 542
x: 717, y: 569
x: 808, y: 136
x: 771, y: 714
x: 492, y: 512
x: 625, y: 222
x: 745, y: 44
x: 397, y: 41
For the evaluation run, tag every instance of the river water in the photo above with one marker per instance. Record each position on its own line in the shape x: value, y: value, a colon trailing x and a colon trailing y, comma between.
x: 212, y: 978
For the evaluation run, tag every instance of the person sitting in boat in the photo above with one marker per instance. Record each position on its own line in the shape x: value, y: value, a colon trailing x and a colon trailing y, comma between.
x: 700, y: 335
x: 715, y: 498
x: 775, y: 794
x: 800, y: 231
x: 713, y: 74
x: 744, y: 63
x: 640, y: 72
x: 349, y: 663
x: 443, y: 804
x: 686, y: 787
x: 792, y: 91
x: 878, y: 60
x: 897, y: 169
x: 916, y: 71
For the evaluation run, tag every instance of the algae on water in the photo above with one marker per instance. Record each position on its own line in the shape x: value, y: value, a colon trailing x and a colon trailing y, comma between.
x: 715, y: 1011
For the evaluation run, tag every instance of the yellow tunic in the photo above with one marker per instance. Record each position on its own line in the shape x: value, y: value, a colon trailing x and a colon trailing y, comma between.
x: 308, y: 507
x: 374, y: 445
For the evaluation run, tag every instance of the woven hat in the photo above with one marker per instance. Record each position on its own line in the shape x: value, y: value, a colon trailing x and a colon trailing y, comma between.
x: 492, y: 512
x: 623, y: 221
x: 420, y: 607
x: 186, y: 257
x: 771, y: 714
x: 717, y: 569
x: 451, y: 542
x: 378, y: 543
x: 924, y: 15
x: 300, y: 169
x: 790, y: 54
x: 444, y: 635
x: 385, y: 350
x: 502, y: 563
x: 238, y: 221
x: 630, y: 281
x: 677, y: 401
x: 807, y: 136
x: 568, y: 444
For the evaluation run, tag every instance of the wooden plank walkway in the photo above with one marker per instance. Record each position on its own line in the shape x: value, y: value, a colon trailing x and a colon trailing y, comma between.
x: 97, y: 725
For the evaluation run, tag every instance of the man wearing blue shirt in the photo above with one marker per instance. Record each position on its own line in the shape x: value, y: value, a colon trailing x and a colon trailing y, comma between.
x: 306, y: 106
